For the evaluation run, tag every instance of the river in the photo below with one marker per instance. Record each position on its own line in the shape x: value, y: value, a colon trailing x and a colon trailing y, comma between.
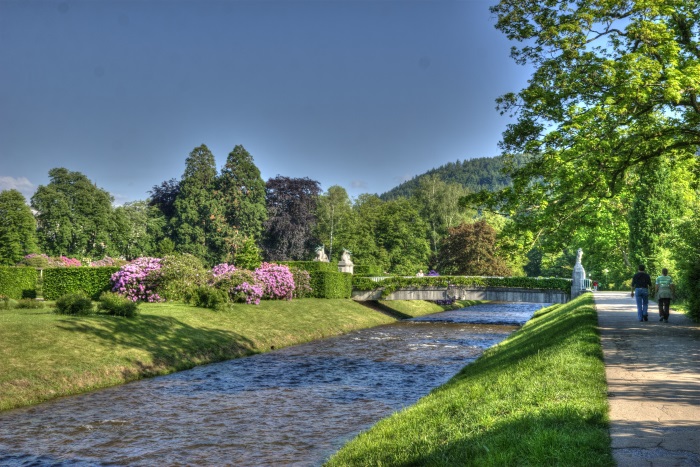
x: 291, y: 406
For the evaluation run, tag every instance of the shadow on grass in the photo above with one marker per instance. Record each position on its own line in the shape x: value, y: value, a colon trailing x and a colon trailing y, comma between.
x: 380, y: 307
x: 172, y: 344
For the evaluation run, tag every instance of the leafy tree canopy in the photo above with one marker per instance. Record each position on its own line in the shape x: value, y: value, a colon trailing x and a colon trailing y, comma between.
x: 17, y: 228
x: 615, y: 85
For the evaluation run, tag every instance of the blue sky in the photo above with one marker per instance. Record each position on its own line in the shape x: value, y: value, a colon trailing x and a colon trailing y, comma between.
x: 362, y: 94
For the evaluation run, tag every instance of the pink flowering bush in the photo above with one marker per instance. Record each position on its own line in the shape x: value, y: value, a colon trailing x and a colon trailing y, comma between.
x: 277, y: 281
x: 66, y: 262
x: 240, y: 286
x: 222, y: 269
x: 138, y: 280
x: 251, y: 293
x: 302, y: 282
x: 44, y: 261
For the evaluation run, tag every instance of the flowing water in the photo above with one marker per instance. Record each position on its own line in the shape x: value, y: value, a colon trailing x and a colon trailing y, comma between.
x: 292, y: 406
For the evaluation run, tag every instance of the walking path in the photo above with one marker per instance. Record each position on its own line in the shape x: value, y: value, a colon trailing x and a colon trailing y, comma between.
x: 653, y: 373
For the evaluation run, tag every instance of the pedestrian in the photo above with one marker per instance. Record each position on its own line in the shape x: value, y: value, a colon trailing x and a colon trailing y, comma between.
x: 665, y: 290
x: 641, y: 282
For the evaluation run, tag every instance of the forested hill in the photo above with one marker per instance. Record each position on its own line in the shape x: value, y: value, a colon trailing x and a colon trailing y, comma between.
x: 483, y: 173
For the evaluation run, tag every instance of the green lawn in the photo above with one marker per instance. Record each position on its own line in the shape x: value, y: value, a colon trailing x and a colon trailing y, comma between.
x: 538, y: 398
x: 44, y: 355
x: 415, y: 308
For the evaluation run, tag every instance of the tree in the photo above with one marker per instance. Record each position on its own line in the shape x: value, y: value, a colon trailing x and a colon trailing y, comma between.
x: 17, y: 228
x: 291, y: 208
x: 335, y: 220
x: 243, y: 193
x: 401, y: 233
x: 470, y: 249
x: 73, y: 215
x: 614, y: 85
x: 163, y: 197
x: 438, y: 203
x: 137, y: 229
x: 199, y: 223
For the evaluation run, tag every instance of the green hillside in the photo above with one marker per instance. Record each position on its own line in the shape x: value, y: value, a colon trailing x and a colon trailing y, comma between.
x: 482, y: 173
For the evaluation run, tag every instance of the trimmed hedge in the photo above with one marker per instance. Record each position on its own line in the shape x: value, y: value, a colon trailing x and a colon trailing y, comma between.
x: 361, y: 270
x: 17, y: 282
x: 90, y: 281
x: 331, y: 284
x: 391, y: 284
x: 311, y: 266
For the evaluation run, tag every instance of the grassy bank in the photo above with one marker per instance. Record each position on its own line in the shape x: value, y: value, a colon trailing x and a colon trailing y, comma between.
x: 44, y: 355
x: 538, y: 398
x: 415, y: 308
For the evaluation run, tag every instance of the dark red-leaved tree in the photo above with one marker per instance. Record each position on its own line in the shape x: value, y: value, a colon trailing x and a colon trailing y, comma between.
x: 470, y: 250
x: 291, y: 208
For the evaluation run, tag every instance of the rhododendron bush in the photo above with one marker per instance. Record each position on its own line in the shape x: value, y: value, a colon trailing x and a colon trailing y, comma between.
x: 139, y: 279
x: 277, y: 280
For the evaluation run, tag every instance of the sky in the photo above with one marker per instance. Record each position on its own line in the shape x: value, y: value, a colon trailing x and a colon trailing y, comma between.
x: 358, y: 93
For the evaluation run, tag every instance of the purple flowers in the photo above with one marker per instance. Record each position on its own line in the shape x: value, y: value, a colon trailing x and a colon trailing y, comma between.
x: 138, y: 280
x: 277, y: 280
x: 222, y: 269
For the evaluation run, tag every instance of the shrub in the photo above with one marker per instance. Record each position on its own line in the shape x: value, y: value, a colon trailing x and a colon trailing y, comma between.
x: 366, y: 270
x: 6, y: 303
x: 207, y: 297
x: 311, y: 266
x: 90, y: 281
x: 180, y: 273
x: 332, y: 284
x: 302, y: 282
x: 117, y: 305
x: 277, y: 281
x: 139, y: 280
x: 241, y: 286
x: 74, y: 304
x: 18, y: 283
x: 30, y: 303
x: 35, y: 260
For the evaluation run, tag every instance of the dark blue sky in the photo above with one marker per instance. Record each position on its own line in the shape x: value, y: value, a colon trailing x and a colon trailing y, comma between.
x: 362, y: 94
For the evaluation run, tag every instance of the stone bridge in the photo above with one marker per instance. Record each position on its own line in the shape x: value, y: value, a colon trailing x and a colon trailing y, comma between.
x: 497, y: 294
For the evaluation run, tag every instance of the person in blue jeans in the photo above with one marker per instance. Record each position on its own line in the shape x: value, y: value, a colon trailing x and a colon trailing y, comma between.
x: 641, y: 282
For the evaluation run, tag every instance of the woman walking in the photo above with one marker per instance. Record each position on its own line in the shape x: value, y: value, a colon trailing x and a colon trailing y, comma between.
x: 665, y: 289
x: 640, y: 289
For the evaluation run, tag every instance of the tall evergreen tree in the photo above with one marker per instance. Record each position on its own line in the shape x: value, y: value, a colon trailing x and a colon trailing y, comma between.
x: 243, y: 193
x: 17, y: 228
x: 199, y: 222
x: 74, y: 215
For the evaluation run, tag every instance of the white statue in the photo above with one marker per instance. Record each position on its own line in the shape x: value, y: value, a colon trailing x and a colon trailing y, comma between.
x: 345, y: 257
x: 321, y: 254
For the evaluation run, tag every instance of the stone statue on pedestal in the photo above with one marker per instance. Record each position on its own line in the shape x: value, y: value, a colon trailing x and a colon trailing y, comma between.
x: 321, y: 254
x: 578, y: 283
x: 345, y: 264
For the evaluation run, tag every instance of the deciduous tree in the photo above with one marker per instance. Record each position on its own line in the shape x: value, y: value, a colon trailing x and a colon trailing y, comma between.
x: 291, y: 208
x: 470, y: 249
x: 17, y: 228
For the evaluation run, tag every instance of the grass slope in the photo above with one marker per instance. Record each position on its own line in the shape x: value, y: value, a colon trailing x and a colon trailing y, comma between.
x: 44, y: 355
x: 538, y: 398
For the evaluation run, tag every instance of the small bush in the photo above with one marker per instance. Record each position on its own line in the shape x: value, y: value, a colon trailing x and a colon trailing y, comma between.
x: 6, y: 303
x: 302, y: 282
x: 207, y: 297
x: 241, y: 286
x: 74, y: 304
x: 30, y: 303
x: 180, y: 273
x: 117, y: 305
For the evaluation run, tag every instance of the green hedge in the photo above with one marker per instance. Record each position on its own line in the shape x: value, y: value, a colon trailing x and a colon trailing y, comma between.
x: 393, y: 283
x: 331, y: 284
x: 361, y: 270
x: 18, y: 283
x: 90, y: 281
x: 311, y: 266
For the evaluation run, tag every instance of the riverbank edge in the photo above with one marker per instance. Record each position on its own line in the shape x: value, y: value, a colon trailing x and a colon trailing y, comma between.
x: 537, y: 398
x: 47, y: 356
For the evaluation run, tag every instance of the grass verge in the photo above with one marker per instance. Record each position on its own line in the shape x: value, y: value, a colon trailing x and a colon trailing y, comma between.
x: 414, y: 308
x: 538, y: 398
x: 44, y: 355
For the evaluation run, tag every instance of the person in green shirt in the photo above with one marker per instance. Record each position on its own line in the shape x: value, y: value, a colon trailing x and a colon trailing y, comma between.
x: 665, y: 289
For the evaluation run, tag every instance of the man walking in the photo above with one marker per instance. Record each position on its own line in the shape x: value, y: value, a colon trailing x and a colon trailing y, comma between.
x: 640, y: 289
